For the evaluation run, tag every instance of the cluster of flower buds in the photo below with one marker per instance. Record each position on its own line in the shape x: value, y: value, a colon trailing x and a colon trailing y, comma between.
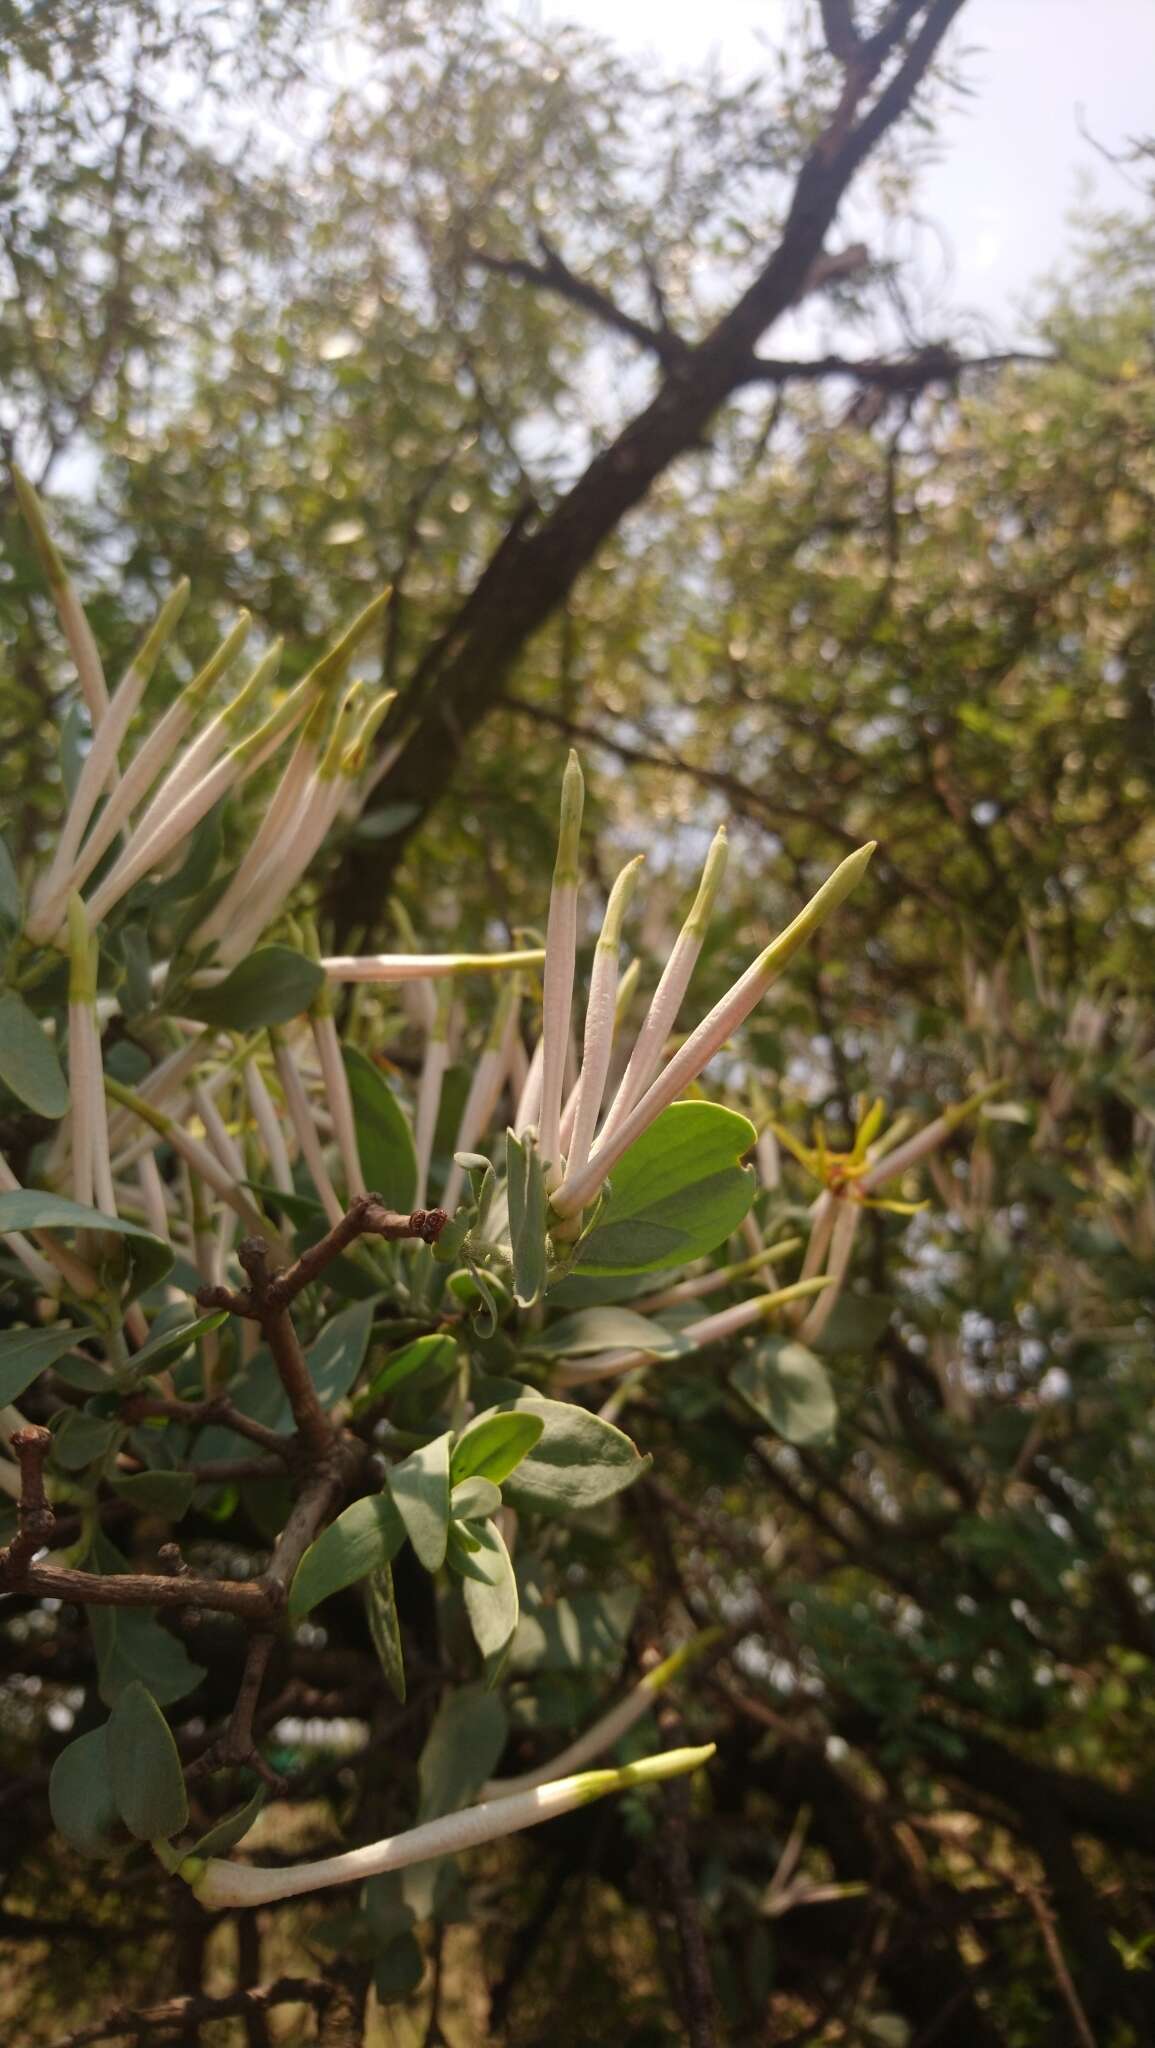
x: 578, y: 1162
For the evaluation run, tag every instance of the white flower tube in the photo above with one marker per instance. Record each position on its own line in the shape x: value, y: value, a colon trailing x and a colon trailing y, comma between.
x: 219, y: 1884
x: 577, y: 1190
x: 171, y: 817
x: 301, y: 1118
x: 728, y: 1322
x: 217, y: 1133
x: 609, y: 1728
x: 896, y: 1162
x: 82, y: 1081
x: 484, y: 1087
x: 429, y: 1088
x: 718, y: 1276
x: 194, y: 1153
x: 601, y: 1013
x: 77, y: 631
x: 284, y: 806
x: 100, y: 763
x: 339, y: 1098
x: 269, y: 1125
x: 847, y: 1219
x: 529, y: 1101
x: 394, y: 967
x: 560, y: 953
x: 662, y: 1015
x: 138, y: 778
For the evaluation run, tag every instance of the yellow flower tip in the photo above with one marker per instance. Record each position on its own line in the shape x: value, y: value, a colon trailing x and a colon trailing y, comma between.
x: 682, y: 1658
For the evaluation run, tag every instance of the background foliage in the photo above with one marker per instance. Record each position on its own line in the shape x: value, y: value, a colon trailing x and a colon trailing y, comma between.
x: 302, y: 321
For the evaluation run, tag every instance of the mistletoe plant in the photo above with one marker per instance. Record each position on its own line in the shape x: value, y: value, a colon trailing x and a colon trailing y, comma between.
x: 229, y: 1301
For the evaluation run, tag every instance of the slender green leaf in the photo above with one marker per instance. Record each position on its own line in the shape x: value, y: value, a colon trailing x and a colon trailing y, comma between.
x: 493, y: 1446
x: 11, y: 898
x: 423, y: 1351
x: 232, y: 1829
x: 384, y: 1140
x: 420, y: 1490
x: 147, y: 1780
x: 26, y: 1353
x: 81, y: 1439
x: 164, y: 1346
x: 461, y: 1749
x: 526, y: 1201
x: 676, y: 1194
x: 337, y: 1356
x: 367, y: 1536
x: 29, y: 1065
x: 36, y: 1209
x: 385, y: 1629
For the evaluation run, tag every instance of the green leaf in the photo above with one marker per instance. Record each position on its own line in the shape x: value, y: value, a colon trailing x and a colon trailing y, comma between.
x: 607, y: 1329
x: 790, y: 1389
x: 36, y: 1209
x: 130, y: 1644
x: 271, y: 986
x: 676, y: 1194
x: 526, y: 1201
x: 473, y: 1500
x: 856, y: 1323
x: 25, y: 1353
x: 11, y: 898
x: 580, y: 1461
x: 80, y: 1796
x: 159, y: 1493
x: 420, y: 1489
x: 28, y: 1062
x: 232, y: 1829
x: 147, y: 1780
x: 81, y: 1439
x: 384, y: 1140
x: 583, y: 1632
x: 384, y: 1628
x: 491, y: 1599
x: 338, y: 1354
x: 493, y: 1446
x: 367, y: 1536
x: 164, y: 1345
x: 435, y: 1350
x: 462, y: 1747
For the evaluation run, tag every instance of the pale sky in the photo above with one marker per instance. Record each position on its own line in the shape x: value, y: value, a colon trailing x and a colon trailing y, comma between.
x: 1014, y: 162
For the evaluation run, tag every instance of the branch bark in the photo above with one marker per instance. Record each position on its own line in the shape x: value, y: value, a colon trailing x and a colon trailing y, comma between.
x: 458, y: 681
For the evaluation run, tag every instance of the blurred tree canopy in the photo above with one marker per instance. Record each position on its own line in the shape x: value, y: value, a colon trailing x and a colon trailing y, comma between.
x: 300, y: 301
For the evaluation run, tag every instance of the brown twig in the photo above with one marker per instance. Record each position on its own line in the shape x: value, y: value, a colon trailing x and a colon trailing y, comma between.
x: 35, y: 1520
x: 142, y: 2022
x: 368, y: 1216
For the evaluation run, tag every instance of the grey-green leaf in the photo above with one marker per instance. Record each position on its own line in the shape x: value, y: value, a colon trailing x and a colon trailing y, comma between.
x: 11, y: 899
x: 168, y: 1494
x: 420, y: 1489
x: 80, y: 1796
x: 36, y: 1209
x: 147, y: 1780
x: 491, y: 1598
x: 526, y: 1202
x: 474, y: 1500
x: 580, y: 1461
x: 368, y: 1535
x: 676, y: 1194
x: 28, y: 1062
x: 608, y: 1329
x: 271, y: 986
x: 790, y: 1389
x: 26, y: 1353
